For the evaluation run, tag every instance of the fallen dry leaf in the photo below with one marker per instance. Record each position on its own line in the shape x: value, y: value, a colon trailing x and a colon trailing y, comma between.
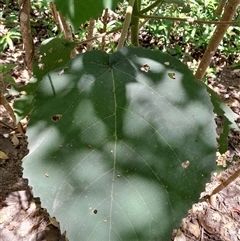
x: 180, y: 236
x: 54, y: 222
x: 15, y: 140
x: 3, y: 218
x: 3, y: 155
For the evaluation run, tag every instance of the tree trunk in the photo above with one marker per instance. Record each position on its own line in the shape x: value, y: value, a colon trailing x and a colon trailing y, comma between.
x: 220, y: 7
x: 218, y: 34
x: 24, y: 20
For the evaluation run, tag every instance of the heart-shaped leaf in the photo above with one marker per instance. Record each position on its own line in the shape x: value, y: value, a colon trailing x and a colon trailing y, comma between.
x: 119, y: 148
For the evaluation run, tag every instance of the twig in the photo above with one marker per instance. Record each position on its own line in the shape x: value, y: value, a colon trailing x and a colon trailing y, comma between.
x: 105, y: 17
x: 190, y: 20
x: 90, y: 33
x: 5, y: 124
x: 155, y: 4
x: 61, y: 22
x: 146, y: 20
x: 126, y: 24
x: 226, y: 182
x: 217, y: 36
x: 7, y: 107
x: 98, y: 36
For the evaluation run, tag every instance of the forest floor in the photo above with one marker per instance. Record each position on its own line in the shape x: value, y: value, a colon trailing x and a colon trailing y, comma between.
x: 22, y: 217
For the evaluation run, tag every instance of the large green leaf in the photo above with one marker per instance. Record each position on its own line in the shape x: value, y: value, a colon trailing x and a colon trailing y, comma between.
x: 78, y: 12
x: 120, y: 145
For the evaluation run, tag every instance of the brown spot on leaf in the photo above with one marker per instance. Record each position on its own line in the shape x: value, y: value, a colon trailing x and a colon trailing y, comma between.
x: 56, y: 117
x: 185, y: 164
x: 63, y: 71
x: 145, y: 68
x: 172, y: 75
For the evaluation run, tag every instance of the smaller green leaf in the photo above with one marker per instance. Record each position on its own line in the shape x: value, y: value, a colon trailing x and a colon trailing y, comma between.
x: 13, y: 34
x: 9, y: 80
x: 78, y: 12
x: 178, y: 2
x: 185, y: 7
x: 9, y: 42
x: 23, y: 106
x: 223, y: 110
x: 53, y: 54
x: 223, y: 139
x: 6, y: 67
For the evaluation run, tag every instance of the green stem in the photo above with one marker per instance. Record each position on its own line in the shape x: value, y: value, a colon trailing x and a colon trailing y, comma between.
x: 126, y: 24
x: 135, y: 24
x: 98, y: 36
x: 141, y: 24
x: 155, y: 4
